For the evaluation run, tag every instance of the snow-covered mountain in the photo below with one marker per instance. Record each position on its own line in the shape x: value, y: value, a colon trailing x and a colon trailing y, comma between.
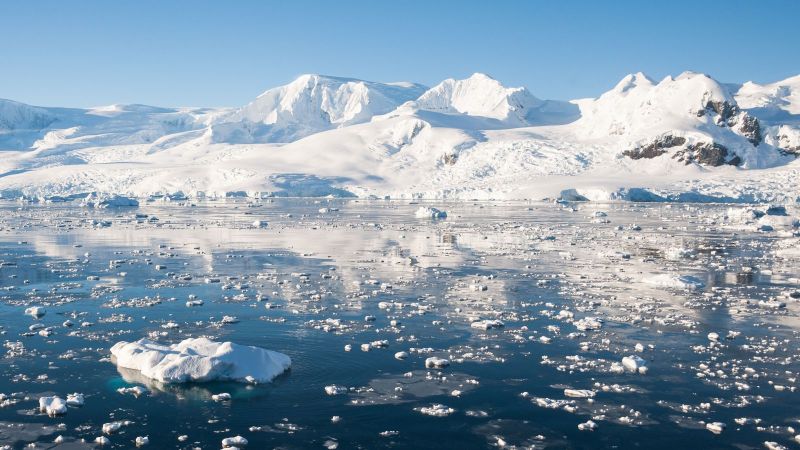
x: 308, y: 105
x: 19, y: 116
x: 778, y: 106
x: 691, y: 117
x: 688, y: 137
x: 482, y: 97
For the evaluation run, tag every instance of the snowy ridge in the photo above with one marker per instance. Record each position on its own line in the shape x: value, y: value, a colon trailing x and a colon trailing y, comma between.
x: 19, y: 116
x: 686, y: 138
x: 310, y: 104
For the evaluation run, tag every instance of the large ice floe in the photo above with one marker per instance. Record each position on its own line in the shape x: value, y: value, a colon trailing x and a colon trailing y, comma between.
x: 199, y: 360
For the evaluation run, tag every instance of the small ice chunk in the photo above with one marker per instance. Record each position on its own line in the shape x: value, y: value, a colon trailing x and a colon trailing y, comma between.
x: 113, y: 427
x: 579, y: 393
x: 142, y: 440
x: 102, y: 440
x: 424, y: 212
x: 589, y: 425
x: 52, y: 406
x: 135, y: 390
x: 335, y: 390
x: 487, y: 324
x: 436, y: 363
x: 634, y: 363
x: 588, y: 323
x: 715, y: 427
x: 75, y: 399
x: 236, y: 441
x: 221, y: 397
x: 401, y: 355
x: 436, y: 410
x: 666, y: 280
x: 35, y: 311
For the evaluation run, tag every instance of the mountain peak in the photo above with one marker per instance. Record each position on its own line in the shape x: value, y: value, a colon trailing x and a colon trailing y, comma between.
x: 479, y: 95
x: 312, y: 103
x: 632, y: 81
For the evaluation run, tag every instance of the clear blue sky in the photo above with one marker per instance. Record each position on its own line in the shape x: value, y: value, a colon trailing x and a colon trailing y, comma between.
x: 224, y: 53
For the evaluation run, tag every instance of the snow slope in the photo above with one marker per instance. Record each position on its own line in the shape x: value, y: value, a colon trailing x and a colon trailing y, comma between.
x: 685, y: 138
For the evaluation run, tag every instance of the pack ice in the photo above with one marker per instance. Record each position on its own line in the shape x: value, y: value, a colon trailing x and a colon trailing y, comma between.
x: 200, y: 360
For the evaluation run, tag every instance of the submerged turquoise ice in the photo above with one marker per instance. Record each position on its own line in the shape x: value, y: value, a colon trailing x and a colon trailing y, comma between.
x: 533, y: 305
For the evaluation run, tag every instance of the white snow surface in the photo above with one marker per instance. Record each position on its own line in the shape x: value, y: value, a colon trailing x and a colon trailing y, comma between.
x: 200, y: 360
x: 462, y: 139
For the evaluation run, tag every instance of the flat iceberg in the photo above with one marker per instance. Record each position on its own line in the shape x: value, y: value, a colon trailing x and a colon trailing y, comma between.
x: 109, y: 201
x: 429, y: 213
x: 199, y: 360
x: 666, y: 280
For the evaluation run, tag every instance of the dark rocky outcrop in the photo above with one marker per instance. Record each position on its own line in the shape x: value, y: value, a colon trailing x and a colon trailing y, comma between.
x: 750, y: 128
x: 724, y: 109
x: 655, y: 148
x: 449, y: 158
x: 707, y: 154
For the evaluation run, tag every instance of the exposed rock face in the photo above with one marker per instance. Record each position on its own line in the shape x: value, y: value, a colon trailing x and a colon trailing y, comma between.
x: 729, y: 114
x: 747, y: 126
x: 724, y: 109
x: 707, y: 154
x: 655, y: 148
x: 449, y: 158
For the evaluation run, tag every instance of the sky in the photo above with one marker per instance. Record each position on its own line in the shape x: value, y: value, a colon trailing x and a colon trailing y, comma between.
x: 83, y: 53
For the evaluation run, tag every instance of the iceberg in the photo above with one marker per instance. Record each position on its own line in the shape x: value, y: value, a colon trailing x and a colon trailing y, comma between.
x: 200, y: 360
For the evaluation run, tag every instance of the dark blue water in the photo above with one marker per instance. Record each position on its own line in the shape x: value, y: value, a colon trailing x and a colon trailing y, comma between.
x: 534, y: 259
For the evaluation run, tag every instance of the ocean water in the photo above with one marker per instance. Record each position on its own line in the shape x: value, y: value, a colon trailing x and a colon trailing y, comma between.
x: 327, y: 273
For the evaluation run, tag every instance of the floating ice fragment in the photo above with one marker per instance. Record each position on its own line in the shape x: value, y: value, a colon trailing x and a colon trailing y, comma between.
x: 579, y: 393
x: 221, y: 397
x: 236, y: 441
x: 674, y: 281
x: 135, y: 390
x: 436, y: 363
x: 429, y: 213
x: 35, y: 311
x: 634, y: 363
x: 113, y: 427
x: 75, y: 399
x: 52, y: 406
x: 588, y: 323
x: 335, y: 390
x: 715, y: 427
x: 487, y: 324
x: 589, y: 425
x: 436, y: 410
